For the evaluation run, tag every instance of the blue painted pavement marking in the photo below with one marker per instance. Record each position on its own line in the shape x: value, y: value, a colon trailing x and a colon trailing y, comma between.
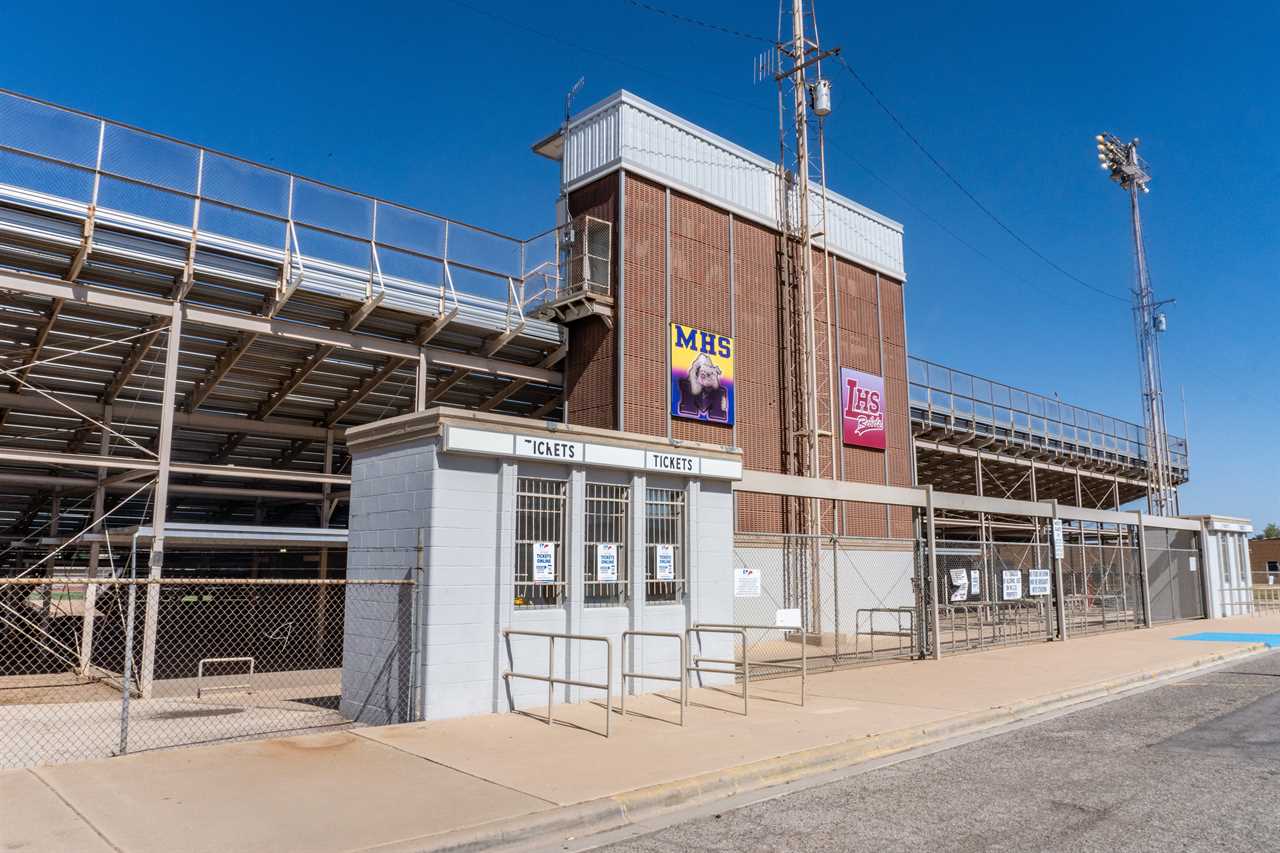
x: 1271, y: 640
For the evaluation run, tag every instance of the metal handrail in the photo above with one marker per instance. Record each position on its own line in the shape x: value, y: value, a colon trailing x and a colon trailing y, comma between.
x: 871, y: 633
x: 803, y: 666
x: 551, y: 679
x: 679, y: 679
x: 693, y: 662
x: 200, y: 691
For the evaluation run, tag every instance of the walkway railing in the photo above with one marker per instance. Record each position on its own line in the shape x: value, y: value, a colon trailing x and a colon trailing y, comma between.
x: 552, y: 679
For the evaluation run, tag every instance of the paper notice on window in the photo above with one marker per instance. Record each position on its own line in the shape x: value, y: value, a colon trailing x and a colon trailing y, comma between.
x: 665, y: 558
x: 746, y: 583
x: 1012, y: 584
x: 544, y: 562
x: 607, y: 562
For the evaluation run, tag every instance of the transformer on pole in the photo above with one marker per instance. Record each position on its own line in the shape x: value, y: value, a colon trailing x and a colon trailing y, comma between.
x: 1130, y: 171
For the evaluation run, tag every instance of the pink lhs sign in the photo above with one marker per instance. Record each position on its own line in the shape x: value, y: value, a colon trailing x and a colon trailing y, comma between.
x: 862, y: 408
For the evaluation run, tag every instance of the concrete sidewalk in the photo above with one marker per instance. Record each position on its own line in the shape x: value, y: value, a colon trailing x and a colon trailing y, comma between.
x: 505, y: 778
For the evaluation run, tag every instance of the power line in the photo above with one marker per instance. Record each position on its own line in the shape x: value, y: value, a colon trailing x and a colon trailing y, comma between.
x: 914, y: 141
x: 706, y: 25
x: 997, y: 220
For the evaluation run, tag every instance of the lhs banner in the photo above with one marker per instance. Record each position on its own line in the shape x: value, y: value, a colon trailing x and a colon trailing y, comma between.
x: 701, y: 375
x: 862, y: 408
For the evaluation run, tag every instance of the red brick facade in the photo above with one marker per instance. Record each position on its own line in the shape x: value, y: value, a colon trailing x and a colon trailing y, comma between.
x: 863, y: 318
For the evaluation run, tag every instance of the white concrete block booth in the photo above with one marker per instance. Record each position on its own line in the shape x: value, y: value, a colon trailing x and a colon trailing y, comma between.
x: 517, y: 524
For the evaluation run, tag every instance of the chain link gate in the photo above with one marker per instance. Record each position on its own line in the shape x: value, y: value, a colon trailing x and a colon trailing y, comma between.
x: 235, y: 659
x: 854, y: 598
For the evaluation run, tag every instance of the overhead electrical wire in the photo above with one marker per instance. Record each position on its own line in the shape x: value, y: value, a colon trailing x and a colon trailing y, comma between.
x: 915, y: 140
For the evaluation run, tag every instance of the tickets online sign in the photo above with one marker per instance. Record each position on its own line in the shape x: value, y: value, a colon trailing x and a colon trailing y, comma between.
x: 862, y: 408
x: 701, y: 375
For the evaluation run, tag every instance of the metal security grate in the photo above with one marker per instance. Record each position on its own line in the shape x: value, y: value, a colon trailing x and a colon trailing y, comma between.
x: 589, y: 261
x: 606, y: 545
x: 540, y: 516
x: 665, y: 558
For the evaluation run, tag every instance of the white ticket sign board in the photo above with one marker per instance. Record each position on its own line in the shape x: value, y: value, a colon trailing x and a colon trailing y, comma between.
x: 1038, y: 582
x: 607, y: 562
x: 1012, y: 584
x: 746, y: 582
x: 665, y: 558
x: 544, y: 562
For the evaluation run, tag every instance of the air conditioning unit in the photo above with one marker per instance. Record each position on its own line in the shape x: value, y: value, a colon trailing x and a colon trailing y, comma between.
x: 591, y: 256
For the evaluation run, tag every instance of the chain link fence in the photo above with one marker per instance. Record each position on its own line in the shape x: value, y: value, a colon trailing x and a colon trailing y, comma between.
x: 233, y: 659
x: 993, y: 593
x: 854, y: 598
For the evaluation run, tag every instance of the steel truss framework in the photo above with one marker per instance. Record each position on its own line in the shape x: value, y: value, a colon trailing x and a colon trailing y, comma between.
x: 176, y: 315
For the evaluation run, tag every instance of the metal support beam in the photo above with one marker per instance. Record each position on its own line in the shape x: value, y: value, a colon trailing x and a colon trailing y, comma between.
x: 173, y: 353
x: 33, y: 354
x: 1143, y: 566
x: 91, y: 590
x: 1059, y: 588
x: 935, y: 617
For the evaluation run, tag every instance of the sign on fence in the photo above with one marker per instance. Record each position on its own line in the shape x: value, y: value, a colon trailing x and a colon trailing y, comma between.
x: 746, y: 582
x: 959, y: 584
x: 1038, y: 582
x: 975, y: 582
x: 787, y: 618
x: 1012, y: 584
x: 544, y: 562
x: 607, y: 562
x: 1059, y: 549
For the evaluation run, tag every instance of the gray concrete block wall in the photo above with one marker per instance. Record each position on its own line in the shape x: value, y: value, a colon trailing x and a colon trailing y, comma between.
x: 387, y: 508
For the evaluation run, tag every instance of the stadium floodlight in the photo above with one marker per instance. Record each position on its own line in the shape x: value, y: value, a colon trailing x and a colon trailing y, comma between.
x: 1130, y: 172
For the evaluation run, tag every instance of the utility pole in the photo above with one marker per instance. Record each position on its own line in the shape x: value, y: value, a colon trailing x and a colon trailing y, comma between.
x: 1130, y: 172
x: 805, y: 420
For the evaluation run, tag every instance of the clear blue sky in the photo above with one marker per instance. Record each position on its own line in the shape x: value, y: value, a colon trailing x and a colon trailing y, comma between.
x: 436, y: 105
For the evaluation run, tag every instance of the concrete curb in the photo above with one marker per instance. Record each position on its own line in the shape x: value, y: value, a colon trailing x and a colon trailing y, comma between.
x: 619, y: 810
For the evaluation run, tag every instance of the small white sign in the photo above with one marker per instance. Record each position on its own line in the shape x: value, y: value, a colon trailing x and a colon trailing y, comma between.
x: 975, y: 582
x: 666, y: 563
x: 788, y: 618
x: 1038, y: 582
x: 746, y: 582
x: 1059, y: 549
x: 607, y: 562
x: 548, y: 448
x: 1271, y: 580
x: 1012, y: 584
x: 959, y: 584
x: 544, y: 562
x: 1193, y: 563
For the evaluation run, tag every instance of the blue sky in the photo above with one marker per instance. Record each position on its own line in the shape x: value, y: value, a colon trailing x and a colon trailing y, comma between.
x: 436, y: 105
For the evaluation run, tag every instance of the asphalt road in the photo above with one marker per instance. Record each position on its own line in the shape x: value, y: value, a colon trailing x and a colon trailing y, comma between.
x: 1194, y: 765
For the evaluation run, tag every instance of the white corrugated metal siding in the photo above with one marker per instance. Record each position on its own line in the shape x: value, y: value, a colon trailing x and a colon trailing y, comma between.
x: 626, y: 131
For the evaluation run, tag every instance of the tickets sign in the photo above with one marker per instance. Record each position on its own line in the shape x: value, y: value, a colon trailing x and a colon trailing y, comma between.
x: 862, y: 408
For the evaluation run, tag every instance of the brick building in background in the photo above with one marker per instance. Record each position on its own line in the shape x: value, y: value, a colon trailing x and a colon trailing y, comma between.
x: 693, y: 240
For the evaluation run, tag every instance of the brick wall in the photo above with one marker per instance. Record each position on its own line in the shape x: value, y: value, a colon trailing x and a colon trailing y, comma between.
x: 591, y: 365
x: 862, y: 315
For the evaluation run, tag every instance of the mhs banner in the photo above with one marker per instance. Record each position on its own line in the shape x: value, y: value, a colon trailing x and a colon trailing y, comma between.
x: 701, y: 375
x: 862, y: 408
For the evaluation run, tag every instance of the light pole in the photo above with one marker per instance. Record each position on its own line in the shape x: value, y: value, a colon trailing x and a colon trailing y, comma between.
x: 1128, y: 170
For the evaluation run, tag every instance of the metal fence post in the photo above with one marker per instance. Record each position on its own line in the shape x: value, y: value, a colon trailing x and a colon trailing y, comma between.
x: 1146, y: 578
x: 935, y: 618
x: 127, y: 673
x: 1058, y: 586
